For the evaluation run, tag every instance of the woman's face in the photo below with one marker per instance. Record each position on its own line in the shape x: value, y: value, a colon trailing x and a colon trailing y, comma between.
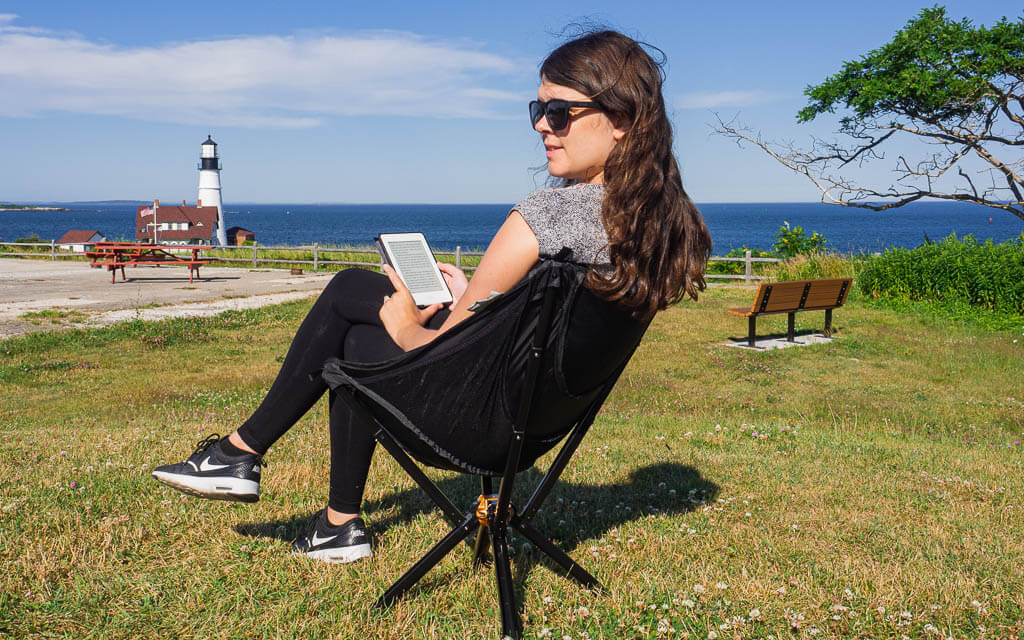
x: 580, y: 150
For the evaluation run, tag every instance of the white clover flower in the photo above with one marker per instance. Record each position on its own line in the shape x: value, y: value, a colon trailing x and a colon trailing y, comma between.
x: 712, y: 635
x: 699, y: 588
x: 721, y: 586
x: 689, y: 604
x: 755, y: 614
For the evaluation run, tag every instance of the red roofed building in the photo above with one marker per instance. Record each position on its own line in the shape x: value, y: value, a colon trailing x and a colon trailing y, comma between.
x: 175, y: 224
x: 80, y: 240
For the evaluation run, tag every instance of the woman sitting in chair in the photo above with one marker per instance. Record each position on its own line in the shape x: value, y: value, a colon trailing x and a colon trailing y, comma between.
x: 620, y: 207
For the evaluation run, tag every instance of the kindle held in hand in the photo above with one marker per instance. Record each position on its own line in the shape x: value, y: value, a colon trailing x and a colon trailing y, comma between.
x: 410, y: 256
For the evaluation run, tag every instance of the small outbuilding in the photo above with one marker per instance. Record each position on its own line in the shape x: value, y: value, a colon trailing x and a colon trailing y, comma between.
x: 80, y: 240
x: 239, y: 236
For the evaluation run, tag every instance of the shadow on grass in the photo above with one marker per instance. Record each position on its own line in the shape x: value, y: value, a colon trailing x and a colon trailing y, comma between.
x: 572, y: 513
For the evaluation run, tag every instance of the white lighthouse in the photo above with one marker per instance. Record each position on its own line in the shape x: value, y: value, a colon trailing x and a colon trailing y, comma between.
x: 209, y: 185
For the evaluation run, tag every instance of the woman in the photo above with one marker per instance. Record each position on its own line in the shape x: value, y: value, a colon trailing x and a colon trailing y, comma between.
x: 620, y: 206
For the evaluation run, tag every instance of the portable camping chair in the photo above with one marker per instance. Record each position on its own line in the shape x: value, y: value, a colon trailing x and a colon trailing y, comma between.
x: 488, y: 398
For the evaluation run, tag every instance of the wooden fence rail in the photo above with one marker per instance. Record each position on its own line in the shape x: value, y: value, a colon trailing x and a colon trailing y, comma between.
x: 252, y: 257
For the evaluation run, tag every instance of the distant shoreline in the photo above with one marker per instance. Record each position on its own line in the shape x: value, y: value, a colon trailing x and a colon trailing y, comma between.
x: 4, y: 207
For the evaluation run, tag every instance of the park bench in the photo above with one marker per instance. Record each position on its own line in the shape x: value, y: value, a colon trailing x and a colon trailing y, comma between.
x: 118, y: 255
x: 792, y: 296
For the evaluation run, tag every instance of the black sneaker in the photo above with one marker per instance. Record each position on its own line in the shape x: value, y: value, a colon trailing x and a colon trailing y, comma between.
x: 323, y: 541
x: 210, y: 473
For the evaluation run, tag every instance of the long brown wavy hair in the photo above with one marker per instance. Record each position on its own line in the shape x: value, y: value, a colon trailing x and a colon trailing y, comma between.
x: 657, y: 240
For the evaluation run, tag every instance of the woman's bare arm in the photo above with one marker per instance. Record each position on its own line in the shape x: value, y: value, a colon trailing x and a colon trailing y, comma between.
x: 509, y: 257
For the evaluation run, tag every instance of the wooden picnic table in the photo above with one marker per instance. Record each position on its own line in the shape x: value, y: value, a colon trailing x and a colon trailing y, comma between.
x: 118, y: 255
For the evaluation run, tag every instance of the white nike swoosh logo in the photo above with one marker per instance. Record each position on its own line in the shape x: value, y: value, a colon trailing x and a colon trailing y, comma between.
x: 206, y: 466
x: 317, y: 540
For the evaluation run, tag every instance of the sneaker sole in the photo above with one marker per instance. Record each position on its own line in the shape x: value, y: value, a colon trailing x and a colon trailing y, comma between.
x: 234, y: 489
x: 339, y: 555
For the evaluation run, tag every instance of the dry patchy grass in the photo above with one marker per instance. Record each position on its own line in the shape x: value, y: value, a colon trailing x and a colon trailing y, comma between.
x: 869, y: 487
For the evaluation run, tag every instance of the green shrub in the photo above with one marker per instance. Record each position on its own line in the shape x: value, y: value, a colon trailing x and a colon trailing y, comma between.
x: 953, y: 271
x: 789, y: 242
x: 736, y: 267
x: 794, y: 241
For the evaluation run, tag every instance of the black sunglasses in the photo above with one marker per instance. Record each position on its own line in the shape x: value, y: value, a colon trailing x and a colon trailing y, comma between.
x: 556, y: 111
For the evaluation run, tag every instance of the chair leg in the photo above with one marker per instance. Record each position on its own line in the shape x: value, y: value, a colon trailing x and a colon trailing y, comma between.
x: 387, y: 441
x: 427, y: 562
x: 572, y: 569
x: 828, y: 323
x: 791, y: 327
x: 752, y: 332
x: 511, y: 624
x: 481, y: 548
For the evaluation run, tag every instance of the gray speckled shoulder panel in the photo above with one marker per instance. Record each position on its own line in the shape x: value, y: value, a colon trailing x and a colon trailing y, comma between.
x: 568, y: 217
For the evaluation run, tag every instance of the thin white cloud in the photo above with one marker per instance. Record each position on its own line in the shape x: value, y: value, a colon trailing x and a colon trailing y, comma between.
x: 259, y: 81
x: 719, y: 99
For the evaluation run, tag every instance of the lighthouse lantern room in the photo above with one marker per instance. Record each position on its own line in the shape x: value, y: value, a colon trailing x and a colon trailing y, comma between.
x: 209, y: 184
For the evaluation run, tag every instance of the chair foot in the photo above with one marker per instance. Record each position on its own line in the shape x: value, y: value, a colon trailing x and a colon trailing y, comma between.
x: 511, y: 623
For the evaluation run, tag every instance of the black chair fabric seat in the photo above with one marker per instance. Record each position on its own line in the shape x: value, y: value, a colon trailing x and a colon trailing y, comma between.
x: 491, y: 396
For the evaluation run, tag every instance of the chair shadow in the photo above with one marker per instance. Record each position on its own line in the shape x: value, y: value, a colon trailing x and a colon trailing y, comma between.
x: 572, y: 514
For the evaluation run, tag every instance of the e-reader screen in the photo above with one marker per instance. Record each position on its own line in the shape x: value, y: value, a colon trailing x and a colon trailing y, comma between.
x: 411, y: 258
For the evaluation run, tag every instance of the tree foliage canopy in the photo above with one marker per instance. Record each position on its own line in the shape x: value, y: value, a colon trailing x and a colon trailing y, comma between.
x: 940, y: 81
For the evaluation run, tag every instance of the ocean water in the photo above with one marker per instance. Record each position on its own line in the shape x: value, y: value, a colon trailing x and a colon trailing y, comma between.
x: 472, y: 226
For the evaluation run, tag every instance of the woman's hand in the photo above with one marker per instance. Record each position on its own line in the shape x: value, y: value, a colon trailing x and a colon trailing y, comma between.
x: 456, y: 280
x: 402, y: 319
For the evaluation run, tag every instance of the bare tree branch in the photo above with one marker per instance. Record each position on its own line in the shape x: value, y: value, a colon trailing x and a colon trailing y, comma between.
x: 915, y: 181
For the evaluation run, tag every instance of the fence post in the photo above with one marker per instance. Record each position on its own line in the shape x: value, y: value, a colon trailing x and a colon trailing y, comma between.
x: 458, y: 256
x: 316, y: 256
x: 746, y: 266
x: 254, y: 254
x: 53, y: 250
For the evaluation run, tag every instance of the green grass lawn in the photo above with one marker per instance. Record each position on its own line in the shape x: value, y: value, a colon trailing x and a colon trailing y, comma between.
x: 866, y: 488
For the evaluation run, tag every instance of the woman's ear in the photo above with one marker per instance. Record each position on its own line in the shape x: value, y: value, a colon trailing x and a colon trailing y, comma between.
x: 620, y: 125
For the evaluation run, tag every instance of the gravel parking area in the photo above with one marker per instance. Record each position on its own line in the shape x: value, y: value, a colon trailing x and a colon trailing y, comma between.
x: 39, y: 295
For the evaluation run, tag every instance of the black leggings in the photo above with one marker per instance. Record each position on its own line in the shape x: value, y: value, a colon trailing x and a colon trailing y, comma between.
x: 343, y: 322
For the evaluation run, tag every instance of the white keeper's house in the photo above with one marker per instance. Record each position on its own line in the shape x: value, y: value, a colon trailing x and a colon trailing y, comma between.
x: 176, y: 224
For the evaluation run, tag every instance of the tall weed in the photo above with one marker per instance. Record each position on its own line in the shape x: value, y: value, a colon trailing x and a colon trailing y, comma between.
x: 813, y: 265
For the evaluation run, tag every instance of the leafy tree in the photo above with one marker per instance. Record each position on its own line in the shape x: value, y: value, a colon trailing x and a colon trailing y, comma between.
x: 957, y: 87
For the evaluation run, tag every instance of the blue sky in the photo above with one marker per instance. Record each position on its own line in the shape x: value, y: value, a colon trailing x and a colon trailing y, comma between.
x: 390, y: 101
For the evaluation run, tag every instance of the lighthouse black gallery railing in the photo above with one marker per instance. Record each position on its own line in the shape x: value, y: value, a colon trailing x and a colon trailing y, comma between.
x: 317, y: 257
